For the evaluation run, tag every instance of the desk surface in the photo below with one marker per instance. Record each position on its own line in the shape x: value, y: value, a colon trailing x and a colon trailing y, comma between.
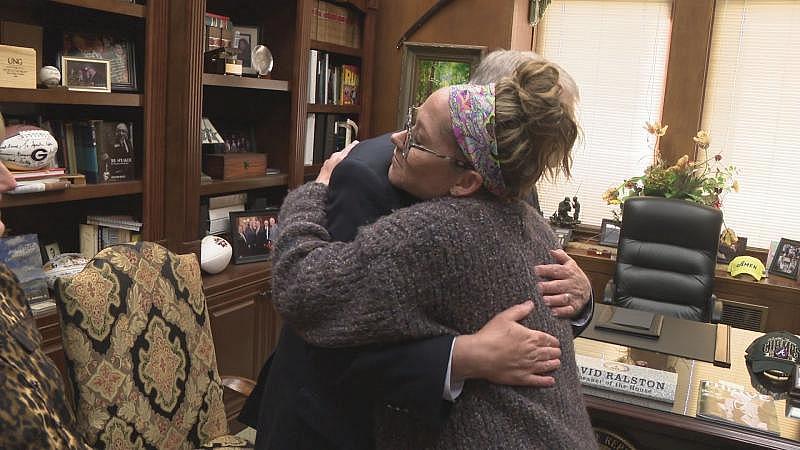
x: 690, y: 374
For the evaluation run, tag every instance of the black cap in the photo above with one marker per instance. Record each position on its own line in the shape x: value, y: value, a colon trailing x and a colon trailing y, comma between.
x: 774, y: 354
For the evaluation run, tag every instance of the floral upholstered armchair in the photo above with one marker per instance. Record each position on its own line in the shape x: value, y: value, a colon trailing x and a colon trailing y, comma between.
x: 140, y: 354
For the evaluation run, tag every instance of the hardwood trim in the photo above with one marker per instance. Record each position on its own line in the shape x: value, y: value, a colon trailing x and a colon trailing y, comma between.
x: 722, y: 349
x: 74, y: 193
x: 299, y: 101
x: 155, y: 113
x: 335, y: 109
x: 334, y: 48
x: 63, y: 96
x: 111, y: 6
x: 213, y: 79
x: 237, y: 276
x: 244, y: 184
x: 312, y: 170
x: 366, y: 84
x: 686, y: 76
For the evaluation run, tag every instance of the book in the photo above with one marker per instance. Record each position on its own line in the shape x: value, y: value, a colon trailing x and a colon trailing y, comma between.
x: 308, y: 153
x: 312, y: 76
x: 118, y: 221
x: 116, y: 157
x: 21, y: 254
x: 731, y: 404
x: 349, y: 85
x: 38, y: 174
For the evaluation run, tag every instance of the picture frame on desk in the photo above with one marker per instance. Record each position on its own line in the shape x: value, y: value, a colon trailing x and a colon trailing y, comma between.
x: 245, y: 40
x: 563, y: 236
x: 252, y: 234
x: 609, y: 232
x: 118, y: 50
x: 786, y: 262
x: 86, y: 75
x: 428, y: 67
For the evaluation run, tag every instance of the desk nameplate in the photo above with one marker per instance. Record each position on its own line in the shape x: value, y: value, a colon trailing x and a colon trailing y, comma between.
x: 628, y: 379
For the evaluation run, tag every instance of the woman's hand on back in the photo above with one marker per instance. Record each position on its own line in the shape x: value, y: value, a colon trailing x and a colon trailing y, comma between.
x: 325, y: 173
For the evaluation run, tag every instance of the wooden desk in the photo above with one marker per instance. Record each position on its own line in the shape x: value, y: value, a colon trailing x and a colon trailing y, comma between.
x: 771, y: 304
x: 650, y: 424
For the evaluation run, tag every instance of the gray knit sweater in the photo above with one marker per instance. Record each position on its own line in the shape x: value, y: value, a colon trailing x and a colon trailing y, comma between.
x: 445, y: 266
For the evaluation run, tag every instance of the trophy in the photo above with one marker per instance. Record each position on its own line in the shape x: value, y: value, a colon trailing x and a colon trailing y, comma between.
x: 262, y: 61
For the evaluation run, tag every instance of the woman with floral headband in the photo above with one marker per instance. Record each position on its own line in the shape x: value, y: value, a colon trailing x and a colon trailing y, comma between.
x: 447, y: 265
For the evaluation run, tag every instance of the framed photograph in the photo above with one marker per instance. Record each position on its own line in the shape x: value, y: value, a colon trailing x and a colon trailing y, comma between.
x: 118, y: 51
x: 428, y: 67
x: 244, y: 40
x: 52, y: 250
x: 253, y: 233
x: 564, y: 235
x: 609, y: 232
x: 83, y: 74
x: 726, y: 253
x: 787, y: 259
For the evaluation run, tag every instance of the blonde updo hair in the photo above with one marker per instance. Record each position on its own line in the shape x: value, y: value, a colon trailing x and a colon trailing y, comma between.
x: 535, y: 127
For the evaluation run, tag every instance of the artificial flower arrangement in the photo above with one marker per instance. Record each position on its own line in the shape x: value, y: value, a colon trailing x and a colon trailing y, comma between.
x: 703, y: 182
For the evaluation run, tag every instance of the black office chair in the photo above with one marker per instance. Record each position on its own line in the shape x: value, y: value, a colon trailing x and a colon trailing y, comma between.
x: 666, y: 258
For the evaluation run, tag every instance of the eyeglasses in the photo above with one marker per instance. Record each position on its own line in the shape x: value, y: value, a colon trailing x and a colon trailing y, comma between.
x: 409, y: 143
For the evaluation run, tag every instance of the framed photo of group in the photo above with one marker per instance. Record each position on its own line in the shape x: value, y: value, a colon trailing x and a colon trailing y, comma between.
x: 83, y: 74
x: 117, y: 51
x: 786, y: 262
x: 253, y: 234
x: 428, y: 67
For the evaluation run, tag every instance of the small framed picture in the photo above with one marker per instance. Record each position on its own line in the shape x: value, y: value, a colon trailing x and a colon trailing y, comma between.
x: 564, y: 235
x: 244, y: 40
x: 609, y: 232
x: 253, y: 233
x: 787, y: 259
x: 117, y: 50
x: 52, y: 250
x: 82, y: 74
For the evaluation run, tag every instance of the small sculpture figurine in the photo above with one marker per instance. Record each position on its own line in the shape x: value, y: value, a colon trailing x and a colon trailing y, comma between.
x: 576, y: 207
x: 561, y: 218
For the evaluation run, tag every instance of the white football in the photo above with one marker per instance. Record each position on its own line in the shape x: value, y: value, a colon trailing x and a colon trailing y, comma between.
x: 215, y: 254
x: 26, y: 147
x: 50, y: 76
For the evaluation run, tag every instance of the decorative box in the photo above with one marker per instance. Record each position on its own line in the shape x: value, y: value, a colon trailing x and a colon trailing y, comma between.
x: 17, y: 67
x: 229, y: 166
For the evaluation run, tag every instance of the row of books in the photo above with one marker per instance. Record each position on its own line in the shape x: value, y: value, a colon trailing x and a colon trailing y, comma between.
x: 102, y: 151
x: 335, y: 24
x: 330, y: 83
x: 100, y: 232
x: 325, y: 134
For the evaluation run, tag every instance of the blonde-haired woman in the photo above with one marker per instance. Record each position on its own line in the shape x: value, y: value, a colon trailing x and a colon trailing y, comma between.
x: 447, y: 265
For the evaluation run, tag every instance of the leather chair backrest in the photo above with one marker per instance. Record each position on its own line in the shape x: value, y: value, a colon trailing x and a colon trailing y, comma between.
x: 666, y: 257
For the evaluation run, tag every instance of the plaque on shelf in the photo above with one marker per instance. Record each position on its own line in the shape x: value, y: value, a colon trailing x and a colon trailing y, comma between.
x: 627, y: 378
x: 17, y: 67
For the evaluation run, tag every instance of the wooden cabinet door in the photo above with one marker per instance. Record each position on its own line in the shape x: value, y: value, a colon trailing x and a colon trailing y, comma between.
x: 235, y: 324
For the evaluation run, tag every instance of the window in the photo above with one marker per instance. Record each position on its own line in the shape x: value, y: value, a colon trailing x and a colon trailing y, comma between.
x: 617, y: 52
x: 752, y: 110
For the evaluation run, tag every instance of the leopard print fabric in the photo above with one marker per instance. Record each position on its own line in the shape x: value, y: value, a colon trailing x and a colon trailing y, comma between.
x: 33, y: 409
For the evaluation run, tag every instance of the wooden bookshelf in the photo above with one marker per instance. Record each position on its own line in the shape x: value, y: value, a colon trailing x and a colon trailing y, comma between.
x: 74, y: 193
x: 63, y: 96
x: 334, y: 109
x: 312, y: 170
x: 227, y: 186
x: 111, y: 6
x: 335, y: 48
x: 212, y: 79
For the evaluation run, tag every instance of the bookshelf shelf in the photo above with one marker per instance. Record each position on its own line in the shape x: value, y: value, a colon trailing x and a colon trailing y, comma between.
x: 74, y: 193
x: 244, y: 184
x: 111, y: 6
x: 62, y: 96
x: 212, y: 79
x: 334, y: 48
x: 334, y: 109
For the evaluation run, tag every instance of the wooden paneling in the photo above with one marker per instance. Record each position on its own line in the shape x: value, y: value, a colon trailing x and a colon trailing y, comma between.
x: 467, y: 22
x: 63, y: 96
x: 234, y: 324
x: 686, y: 75
x: 78, y: 192
x: 112, y: 6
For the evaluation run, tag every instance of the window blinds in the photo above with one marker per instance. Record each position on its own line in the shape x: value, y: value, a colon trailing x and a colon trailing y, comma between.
x: 617, y: 52
x: 752, y: 110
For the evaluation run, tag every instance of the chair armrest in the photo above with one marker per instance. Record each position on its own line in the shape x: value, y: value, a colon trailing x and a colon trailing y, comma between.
x: 243, y: 386
x: 714, y: 309
x: 608, y: 293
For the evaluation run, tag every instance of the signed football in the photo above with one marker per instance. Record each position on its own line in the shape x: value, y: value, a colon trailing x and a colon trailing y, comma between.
x: 215, y: 254
x: 26, y: 147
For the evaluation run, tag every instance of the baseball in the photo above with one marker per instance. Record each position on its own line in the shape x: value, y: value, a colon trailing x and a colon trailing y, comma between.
x: 50, y: 76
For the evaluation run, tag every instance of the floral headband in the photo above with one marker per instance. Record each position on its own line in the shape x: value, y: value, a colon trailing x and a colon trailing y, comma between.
x: 472, y: 117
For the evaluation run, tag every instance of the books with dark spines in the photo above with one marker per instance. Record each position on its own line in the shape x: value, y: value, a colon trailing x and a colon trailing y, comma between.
x: 731, y: 404
x: 116, y: 156
x: 86, y: 151
x: 21, y: 254
x: 319, y: 139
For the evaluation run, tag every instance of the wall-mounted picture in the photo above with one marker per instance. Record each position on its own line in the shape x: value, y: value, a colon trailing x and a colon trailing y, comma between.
x: 82, y: 74
x: 253, y: 234
x: 564, y: 235
x: 787, y: 259
x: 245, y: 39
x: 118, y: 51
x: 609, y: 232
x: 428, y: 67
